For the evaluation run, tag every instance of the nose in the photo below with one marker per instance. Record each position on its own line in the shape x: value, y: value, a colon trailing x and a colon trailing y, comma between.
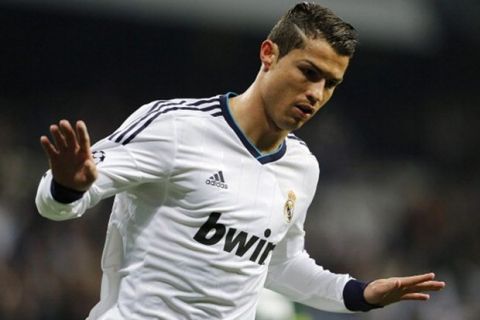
x: 316, y: 91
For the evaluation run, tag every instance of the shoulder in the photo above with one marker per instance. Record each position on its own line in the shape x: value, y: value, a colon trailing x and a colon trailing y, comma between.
x: 185, y: 107
x: 160, y: 115
x: 297, y: 145
x: 298, y: 149
x: 178, y: 107
x: 298, y: 154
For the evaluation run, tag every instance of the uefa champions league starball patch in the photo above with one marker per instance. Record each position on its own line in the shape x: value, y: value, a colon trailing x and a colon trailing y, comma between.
x: 98, y: 156
x: 289, y: 207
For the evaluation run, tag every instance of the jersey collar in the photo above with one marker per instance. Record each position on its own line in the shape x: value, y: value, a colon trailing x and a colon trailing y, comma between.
x: 263, y: 158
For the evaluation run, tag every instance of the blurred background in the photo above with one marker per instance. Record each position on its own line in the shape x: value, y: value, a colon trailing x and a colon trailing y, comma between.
x: 398, y: 146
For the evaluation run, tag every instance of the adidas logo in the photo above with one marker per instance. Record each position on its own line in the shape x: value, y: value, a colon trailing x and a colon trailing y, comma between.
x: 217, y: 180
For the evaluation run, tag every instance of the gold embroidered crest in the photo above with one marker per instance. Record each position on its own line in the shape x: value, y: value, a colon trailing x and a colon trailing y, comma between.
x: 289, y: 207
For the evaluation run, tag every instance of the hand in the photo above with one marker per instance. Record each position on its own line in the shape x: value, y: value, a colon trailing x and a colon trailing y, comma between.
x: 69, y: 155
x: 386, y: 291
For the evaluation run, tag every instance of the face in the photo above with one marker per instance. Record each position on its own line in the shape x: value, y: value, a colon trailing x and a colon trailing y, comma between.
x: 296, y: 86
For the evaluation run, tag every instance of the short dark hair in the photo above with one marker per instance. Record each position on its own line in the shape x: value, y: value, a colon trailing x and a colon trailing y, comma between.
x: 315, y: 22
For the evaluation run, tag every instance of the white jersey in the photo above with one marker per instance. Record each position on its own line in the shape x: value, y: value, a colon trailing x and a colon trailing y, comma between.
x: 201, y: 220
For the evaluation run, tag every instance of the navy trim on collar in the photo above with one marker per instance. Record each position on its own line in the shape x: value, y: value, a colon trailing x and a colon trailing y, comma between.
x: 262, y: 158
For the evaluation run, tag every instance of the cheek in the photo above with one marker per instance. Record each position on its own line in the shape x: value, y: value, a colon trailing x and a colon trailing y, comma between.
x: 292, y: 86
x: 279, y: 90
x: 327, y: 95
x: 285, y: 87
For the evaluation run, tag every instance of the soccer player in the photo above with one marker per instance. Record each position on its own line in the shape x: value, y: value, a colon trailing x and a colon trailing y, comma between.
x: 211, y: 194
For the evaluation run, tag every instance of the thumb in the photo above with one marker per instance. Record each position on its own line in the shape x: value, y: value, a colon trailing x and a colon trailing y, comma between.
x: 90, y: 171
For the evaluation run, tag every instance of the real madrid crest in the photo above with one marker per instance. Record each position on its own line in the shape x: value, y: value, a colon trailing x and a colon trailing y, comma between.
x: 289, y: 207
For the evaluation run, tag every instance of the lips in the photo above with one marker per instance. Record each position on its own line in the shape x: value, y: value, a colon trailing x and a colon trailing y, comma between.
x: 304, y: 108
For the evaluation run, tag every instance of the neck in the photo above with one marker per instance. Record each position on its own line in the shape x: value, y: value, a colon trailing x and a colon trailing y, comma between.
x: 249, y: 112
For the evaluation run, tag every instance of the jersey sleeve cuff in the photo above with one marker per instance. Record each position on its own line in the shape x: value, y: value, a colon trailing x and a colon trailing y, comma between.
x: 353, y: 296
x: 63, y: 194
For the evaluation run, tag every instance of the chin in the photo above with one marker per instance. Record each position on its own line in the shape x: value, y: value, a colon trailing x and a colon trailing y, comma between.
x: 292, y: 126
x: 289, y: 124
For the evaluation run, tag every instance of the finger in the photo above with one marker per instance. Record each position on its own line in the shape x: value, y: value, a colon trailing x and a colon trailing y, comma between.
x: 413, y: 280
x: 83, y: 136
x: 427, y: 286
x: 415, y: 296
x: 68, y: 133
x: 48, y: 147
x: 58, y: 138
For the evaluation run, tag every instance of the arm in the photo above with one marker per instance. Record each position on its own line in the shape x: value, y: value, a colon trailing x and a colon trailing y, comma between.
x: 75, y: 183
x: 293, y: 273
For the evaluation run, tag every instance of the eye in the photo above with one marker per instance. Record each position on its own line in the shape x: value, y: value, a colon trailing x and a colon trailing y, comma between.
x: 311, y: 74
x: 314, y: 75
x: 330, y: 83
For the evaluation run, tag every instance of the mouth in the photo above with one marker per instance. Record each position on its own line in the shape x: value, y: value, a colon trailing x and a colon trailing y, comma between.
x: 305, y: 109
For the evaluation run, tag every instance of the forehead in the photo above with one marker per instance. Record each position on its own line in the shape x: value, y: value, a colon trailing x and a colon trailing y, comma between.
x: 320, y: 53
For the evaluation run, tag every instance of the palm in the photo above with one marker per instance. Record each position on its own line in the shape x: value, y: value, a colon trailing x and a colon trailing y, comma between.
x: 69, y: 155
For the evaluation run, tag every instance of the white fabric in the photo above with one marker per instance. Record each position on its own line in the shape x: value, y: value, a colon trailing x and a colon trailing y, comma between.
x: 153, y: 267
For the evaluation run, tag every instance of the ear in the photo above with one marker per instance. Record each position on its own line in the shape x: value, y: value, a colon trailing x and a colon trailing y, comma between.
x: 268, y: 54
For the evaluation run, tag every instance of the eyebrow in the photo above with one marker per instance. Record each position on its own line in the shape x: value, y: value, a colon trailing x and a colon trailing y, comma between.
x: 320, y: 70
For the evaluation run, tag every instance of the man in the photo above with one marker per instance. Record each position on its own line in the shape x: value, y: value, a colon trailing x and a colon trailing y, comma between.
x: 211, y: 194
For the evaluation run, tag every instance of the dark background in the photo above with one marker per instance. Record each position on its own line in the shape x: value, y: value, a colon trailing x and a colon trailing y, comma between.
x: 398, y: 148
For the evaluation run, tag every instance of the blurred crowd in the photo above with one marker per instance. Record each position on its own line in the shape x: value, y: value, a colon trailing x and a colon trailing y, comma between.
x: 398, y: 149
